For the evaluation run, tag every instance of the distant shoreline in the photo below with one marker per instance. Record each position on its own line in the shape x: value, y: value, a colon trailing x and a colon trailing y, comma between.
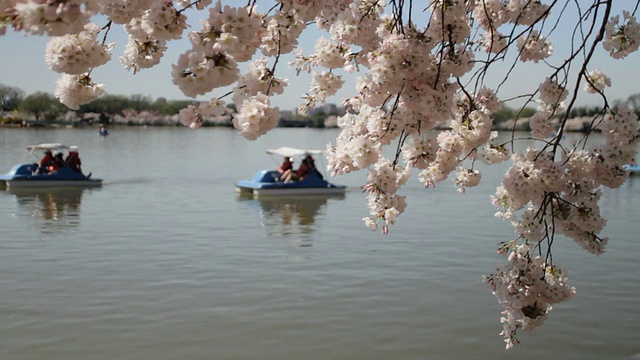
x: 578, y: 124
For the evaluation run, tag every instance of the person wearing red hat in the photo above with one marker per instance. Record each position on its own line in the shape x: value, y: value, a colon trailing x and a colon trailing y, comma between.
x: 73, y: 159
x: 47, y: 161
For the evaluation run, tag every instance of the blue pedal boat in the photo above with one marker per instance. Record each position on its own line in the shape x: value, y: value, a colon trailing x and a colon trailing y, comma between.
x: 25, y: 175
x: 633, y: 169
x: 267, y: 182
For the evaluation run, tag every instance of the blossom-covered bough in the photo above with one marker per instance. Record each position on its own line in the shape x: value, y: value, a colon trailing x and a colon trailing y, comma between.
x: 429, y: 75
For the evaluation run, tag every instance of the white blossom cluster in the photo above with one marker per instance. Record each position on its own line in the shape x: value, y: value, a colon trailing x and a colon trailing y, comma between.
x: 552, y: 97
x: 259, y: 79
x: 123, y: 11
x: 74, y: 56
x: 77, y: 53
x: 142, y: 54
x: 544, y: 197
x: 234, y: 31
x: 75, y: 90
x: 552, y: 93
x: 322, y: 86
x: 534, y: 48
x: 492, y: 14
x: 622, y: 39
x: 54, y: 17
x: 193, y: 116
x: 542, y: 124
x: 145, y: 47
x: 353, y: 149
x: 596, y: 81
x: 382, y: 184
x: 256, y: 116
x: 527, y: 287
x: 420, y: 91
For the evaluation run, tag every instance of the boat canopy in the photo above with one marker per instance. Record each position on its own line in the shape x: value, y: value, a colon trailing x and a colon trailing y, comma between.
x: 291, y: 152
x: 51, y: 146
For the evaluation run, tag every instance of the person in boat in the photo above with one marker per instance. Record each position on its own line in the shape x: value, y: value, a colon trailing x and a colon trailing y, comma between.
x: 311, y: 162
x: 45, y: 164
x: 633, y: 163
x: 287, y: 164
x: 73, y: 159
x: 57, y: 163
x: 304, y: 169
x: 60, y: 160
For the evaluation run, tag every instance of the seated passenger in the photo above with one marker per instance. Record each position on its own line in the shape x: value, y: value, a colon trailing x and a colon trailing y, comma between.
x: 287, y: 165
x: 311, y: 163
x: 60, y: 160
x: 57, y: 163
x: 299, y: 174
x: 73, y: 160
x: 45, y: 163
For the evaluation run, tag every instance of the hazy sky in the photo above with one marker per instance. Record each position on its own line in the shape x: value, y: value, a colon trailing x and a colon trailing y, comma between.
x: 23, y: 66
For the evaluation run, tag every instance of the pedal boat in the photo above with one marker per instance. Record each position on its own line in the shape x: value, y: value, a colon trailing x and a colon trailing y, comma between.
x: 25, y: 176
x: 267, y: 182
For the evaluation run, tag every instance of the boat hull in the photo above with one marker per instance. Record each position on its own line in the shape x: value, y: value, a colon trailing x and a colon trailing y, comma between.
x: 291, y: 191
x: 14, y: 184
x: 23, y: 176
x: 264, y: 183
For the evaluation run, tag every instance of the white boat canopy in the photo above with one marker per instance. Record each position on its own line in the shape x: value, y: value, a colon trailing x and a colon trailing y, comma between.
x: 51, y: 147
x: 291, y: 152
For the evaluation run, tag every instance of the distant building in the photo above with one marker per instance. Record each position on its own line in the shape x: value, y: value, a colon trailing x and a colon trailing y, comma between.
x: 327, y: 109
x: 288, y: 114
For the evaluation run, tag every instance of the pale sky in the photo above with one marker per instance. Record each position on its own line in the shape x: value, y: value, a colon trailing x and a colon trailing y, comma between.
x: 23, y: 65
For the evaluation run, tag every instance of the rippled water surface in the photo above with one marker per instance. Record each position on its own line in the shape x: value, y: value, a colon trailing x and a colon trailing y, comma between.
x: 166, y: 261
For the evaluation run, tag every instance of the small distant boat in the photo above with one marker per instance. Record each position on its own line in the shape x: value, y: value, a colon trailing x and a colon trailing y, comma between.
x: 103, y: 131
x: 633, y: 169
x: 267, y: 183
x: 28, y: 176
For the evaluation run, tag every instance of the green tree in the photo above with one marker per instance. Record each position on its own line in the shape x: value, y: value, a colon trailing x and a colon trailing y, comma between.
x: 317, y: 119
x: 107, y: 104
x: 159, y: 105
x: 504, y: 114
x: 110, y: 105
x: 42, y: 106
x: 633, y: 101
x: 10, y: 97
x: 526, y: 112
x: 171, y: 107
x: 140, y: 102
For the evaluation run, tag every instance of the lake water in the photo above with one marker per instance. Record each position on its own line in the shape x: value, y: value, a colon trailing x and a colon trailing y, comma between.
x: 165, y: 261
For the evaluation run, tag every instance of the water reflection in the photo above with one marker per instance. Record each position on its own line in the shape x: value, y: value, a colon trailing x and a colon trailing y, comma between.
x: 52, y: 210
x: 292, y: 218
x: 633, y: 180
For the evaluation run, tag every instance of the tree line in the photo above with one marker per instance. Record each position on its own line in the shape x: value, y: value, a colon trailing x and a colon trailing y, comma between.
x: 42, y: 106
